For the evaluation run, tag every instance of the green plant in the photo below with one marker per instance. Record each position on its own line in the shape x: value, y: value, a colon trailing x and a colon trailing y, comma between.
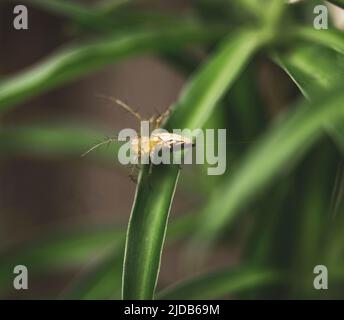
x: 289, y: 232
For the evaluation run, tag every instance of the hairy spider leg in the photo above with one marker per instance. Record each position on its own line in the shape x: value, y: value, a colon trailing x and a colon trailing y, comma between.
x: 123, y: 105
x: 107, y: 141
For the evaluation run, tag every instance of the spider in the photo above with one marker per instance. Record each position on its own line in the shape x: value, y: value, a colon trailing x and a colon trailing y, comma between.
x: 143, y: 146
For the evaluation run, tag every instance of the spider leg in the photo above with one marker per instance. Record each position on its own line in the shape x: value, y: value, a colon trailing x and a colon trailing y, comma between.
x: 161, y: 118
x: 106, y: 141
x: 123, y: 105
x: 152, y: 122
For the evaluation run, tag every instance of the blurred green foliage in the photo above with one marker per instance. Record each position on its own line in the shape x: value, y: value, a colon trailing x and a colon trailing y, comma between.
x: 286, y: 189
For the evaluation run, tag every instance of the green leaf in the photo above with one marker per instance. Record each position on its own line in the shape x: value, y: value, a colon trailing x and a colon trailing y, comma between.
x: 155, y: 191
x: 99, y: 250
x: 103, y: 280
x: 330, y: 38
x: 108, y: 6
x: 74, y: 62
x: 339, y: 3
x: 262, y: 241
x: 78, y: 12
x: 200, y: 95
x: 276, y: 153
x: 52, y: 141
x: 336, y: 130
x: 97, y: 17
x: 335, y: 247
x: 220, y: 284
x: 312, y: 218
x: 309, y: 67
x: 251, y: 6
x: 63, y: 250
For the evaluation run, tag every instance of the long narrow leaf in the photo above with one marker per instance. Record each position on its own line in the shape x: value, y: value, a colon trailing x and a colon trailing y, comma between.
x: 221, y: 283
x: 155, y: 191
x: 52, y: 141
x: 77, y: 61
x: 97, y: 17
x: 339, y: 3
x: 62, y: 250
x: 278, y: 150
x: 330, y: 38
x: 309, y: 68
x: 103, y: 281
